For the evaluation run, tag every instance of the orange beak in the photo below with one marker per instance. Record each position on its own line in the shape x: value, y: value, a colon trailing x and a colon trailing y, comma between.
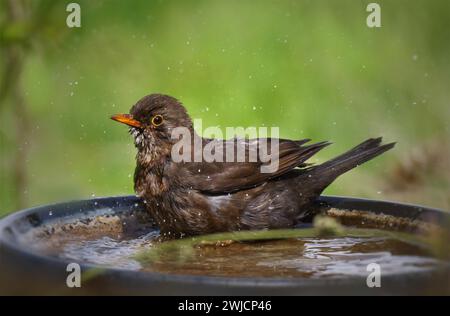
x: 126, y: 119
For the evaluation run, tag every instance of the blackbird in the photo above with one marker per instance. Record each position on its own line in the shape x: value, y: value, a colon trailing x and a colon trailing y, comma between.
x: 197, y: 197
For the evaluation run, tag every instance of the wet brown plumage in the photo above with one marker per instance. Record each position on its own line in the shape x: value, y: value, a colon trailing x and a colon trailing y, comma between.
x: 192, y: 198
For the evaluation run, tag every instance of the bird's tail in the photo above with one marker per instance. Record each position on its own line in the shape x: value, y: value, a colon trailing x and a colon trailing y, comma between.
x: 319, y: 177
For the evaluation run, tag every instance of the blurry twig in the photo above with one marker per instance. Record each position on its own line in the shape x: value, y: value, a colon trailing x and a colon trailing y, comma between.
x: 11, y: 87
x: 17, y: 34
x: 422, y: 174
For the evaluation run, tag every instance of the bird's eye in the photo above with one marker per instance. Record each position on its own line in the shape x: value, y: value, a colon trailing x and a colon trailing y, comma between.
x: 157, y: 120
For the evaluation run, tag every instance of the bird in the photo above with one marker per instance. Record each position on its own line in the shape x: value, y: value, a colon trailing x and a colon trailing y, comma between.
x: 191, y: 197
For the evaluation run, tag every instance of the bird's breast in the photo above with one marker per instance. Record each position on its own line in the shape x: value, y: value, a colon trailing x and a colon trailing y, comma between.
x: 151, y: 185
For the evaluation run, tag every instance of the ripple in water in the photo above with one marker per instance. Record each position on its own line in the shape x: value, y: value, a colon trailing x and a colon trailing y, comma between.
x: 308, y: 257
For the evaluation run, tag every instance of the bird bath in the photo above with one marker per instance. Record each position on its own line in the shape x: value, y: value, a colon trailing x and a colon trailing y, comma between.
x: 110, y: 239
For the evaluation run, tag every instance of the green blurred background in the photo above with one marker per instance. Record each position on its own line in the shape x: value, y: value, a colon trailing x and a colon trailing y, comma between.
x: 313, y: 68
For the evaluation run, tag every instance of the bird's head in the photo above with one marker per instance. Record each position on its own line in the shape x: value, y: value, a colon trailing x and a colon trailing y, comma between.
x: 152, y: 119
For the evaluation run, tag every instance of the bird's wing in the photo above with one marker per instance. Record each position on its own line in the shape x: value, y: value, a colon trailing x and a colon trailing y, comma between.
x: 222, y: 177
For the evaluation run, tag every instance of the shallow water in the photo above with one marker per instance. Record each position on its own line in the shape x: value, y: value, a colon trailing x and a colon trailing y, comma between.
x: 307, y: 257
x: 114, y: 240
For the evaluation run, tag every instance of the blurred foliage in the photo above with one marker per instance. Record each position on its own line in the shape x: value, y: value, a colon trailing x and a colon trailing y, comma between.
x: 311, y: 67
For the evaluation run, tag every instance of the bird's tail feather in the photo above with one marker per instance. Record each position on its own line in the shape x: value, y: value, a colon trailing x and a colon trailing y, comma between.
x: 322, y: 175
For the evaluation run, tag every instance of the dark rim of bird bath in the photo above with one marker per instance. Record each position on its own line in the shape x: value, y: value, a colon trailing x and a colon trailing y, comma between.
x: 121, y: 204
